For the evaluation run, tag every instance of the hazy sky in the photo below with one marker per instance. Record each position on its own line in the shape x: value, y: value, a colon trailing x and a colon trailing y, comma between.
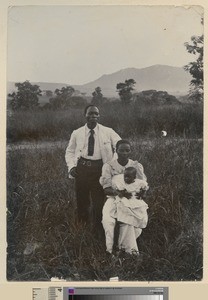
x: 78, y: 44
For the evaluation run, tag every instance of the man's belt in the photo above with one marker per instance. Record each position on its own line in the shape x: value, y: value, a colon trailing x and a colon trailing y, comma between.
x: 89, y: 162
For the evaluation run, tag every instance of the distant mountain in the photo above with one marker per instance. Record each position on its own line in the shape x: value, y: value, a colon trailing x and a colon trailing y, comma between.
x: 174, y: 80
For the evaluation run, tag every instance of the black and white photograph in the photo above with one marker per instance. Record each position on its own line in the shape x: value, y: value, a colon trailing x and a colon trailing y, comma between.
x: 104, y: 151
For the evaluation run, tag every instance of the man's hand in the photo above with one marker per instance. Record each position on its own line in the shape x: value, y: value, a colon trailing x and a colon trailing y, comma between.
x: 73, y: 172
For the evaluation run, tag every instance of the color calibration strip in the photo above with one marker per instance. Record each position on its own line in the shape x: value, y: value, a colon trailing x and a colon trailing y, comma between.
x: 100, y: 293
x: 115, y: 297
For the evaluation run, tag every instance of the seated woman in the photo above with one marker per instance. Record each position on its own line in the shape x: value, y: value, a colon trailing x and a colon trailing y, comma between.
x: 128, y: 231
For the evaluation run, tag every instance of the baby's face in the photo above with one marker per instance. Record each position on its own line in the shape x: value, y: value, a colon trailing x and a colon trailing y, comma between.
x: 129, y: 177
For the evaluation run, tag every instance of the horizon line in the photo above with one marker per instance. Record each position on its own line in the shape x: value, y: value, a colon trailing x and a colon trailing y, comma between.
x: 106, y: 74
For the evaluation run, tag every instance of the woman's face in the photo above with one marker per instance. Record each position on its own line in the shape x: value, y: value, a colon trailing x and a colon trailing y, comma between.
x: 124, y: 151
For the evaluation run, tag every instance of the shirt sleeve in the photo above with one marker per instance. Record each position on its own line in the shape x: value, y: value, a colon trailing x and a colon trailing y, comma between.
x: 106, y: 177
x: 114, y: 139
x: 142, y: 184
x: 70, y: 152
x: 140, y: 171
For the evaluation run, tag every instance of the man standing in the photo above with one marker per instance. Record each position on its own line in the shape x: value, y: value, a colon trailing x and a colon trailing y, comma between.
x: 89, y: 148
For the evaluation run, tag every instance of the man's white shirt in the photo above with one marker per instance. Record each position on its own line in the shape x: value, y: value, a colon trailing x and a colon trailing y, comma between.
x: 97, y: 153
x: 105, y: 141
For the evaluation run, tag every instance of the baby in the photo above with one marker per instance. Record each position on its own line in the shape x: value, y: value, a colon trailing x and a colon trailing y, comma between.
x: 128, y: 207
x: 127, y: 184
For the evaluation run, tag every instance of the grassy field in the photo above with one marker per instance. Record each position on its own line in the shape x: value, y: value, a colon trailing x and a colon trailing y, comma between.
x: 179, y: 120
x: 43, y: 240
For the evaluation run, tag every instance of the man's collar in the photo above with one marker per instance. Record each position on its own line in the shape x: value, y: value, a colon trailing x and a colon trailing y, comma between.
x: 88, y: 129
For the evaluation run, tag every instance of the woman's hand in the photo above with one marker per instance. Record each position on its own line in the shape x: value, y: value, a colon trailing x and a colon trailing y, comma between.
x: 109, y: 191
x: 127, y: 194
x: 123, y: 193
x: 120, y: 193
x: 142, y: 194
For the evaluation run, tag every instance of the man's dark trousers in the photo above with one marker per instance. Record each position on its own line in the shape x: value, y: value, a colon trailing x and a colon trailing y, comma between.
x: 88, y: 186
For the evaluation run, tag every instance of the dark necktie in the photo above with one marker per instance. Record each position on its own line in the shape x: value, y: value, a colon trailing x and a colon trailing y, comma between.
x: 91, y: 143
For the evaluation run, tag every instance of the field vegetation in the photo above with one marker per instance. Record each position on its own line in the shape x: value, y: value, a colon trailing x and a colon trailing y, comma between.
x: 43, y: 239
x: 142, y: 121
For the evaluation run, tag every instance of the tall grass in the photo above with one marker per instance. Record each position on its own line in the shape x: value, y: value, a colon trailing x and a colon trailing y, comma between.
x: 42, y: 208
x: 130, y: 120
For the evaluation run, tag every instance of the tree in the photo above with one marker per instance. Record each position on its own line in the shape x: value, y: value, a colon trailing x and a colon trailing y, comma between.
x: 66, y: 91
x: 97, y: 96
x: 153, y: 97
x: 26, y: 97
x: 196, y: 68
x: 62, y: 98
x: 49, y: 93
x: 125, y: 90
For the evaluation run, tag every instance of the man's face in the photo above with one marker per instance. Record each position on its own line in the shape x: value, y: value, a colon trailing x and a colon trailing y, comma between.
x: 92, y: 115
x: 124, y: 151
